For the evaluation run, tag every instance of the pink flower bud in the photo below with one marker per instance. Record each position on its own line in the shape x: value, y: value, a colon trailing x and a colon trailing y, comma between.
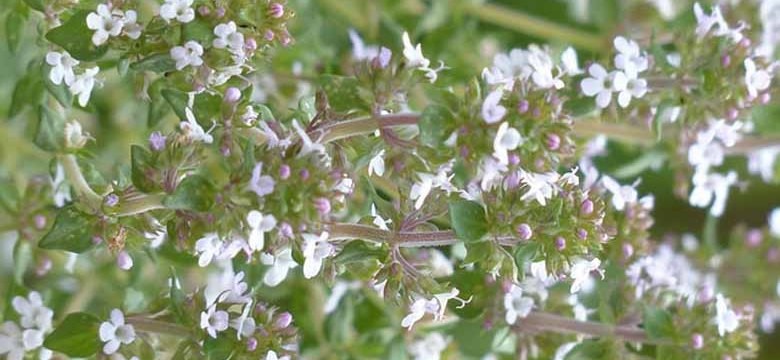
x: 284, y: 172
x: 251, y: 344
x: 322, y: 205
x: 586, y: 208
x: 220, y: 12
x: 283, y: 321
x: 514, y: 159
x: 232, y: 95
x: 276, y: 10
x: 725, y: 60
x: 697, y: 341
x: 204, y: 10
x: 524, y: 231
x: 39, y: 221
x: 560, y: 243
x: 304, y: 174
x: 522, y: 106
x: 628, y: 250
x: 753, y: 238
x: 269, y: 35
x: 124, y: 261
x: 250, y: 45
x: 765, y: 98
x: 553, y: 141
x: 582, y: 234
x: 732, y: 113
x: 285, y: 231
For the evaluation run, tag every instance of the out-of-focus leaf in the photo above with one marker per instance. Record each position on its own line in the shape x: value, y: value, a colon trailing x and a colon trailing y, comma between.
x: 468, y: 220
x: 72, y: 231
x: 76, y: 336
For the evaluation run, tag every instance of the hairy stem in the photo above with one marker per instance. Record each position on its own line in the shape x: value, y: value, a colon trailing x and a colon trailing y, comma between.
x: 543, y: 321
x: 140, y: 204
x: 403, y: 238
x: 362, y: 126
x: 158, y: 327
x: 545, y: 29
x: 76, y: 179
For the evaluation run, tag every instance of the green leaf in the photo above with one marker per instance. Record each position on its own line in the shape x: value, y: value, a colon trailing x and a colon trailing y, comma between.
x: 198, y: 30
x: 29, y: 91
x: 525, y: 254
x: 158, y: 63
x: 23, y: 257
x: 9, y: 195
x: 433, y: 122
x: 658, y: 323
x: 177, y: 100
x: 468, y: 220
x: 356, y: 251
x: 142, y: 169
x: 75, y: 37
x: 76, y: 336
x: 343, y: 93
x: 14, y: 25
x: 50, y: 135
x: 220, y: 348
x: 590, y: 350
x: 766, y: 119
x: 158, y: 106
x: 72, y: 231
x: 194, y: 193
x: 35, y: 4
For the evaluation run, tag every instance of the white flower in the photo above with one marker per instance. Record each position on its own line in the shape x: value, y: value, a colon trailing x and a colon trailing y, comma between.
x: 261, y: 184
x: 192, y: 130
x: 244, y: 325
x: 105, y: 23
x: 208, y: 247
x: 15, y: 342
x: 705, y: 153
x: 421, y: 189
x: 774, y: 229
x: 226, y: 287
x: 309, y: 146
x: 542, y: 66
x: 259, y: 224
x: 756, y: 80
x: 492, y: 110
x: 213, y: 320
x: 181, y: 10
x: 725, y: 318
x: 635, y: 87
x: 564, y: 350
x: 569, y: 62
x: 115, y: 332
x: 74, y: 137
x: 712, y: 188
x: 413, y: 54
x: 378, y: 220
x: 189, y: 54
x: 622, y: 195
x: 629, y: 55
x: 360, y: 51
x: 61, y: 67
x: 580, y: 272
x: 271, y: 355
x: 429, y: 348
x: 132, y: 27
x: 704, y: 23
x: 315, y: 249
x: 491, y: 172
x: 228, y: 37
x: 32, y: 312
x: 517, y: 305
x: 377, y: 164
x: 436, y: 306
x: 539, y: 186
x: 507, y: 68
x: 83, y: 83
x: 602, y: 84
x: 345, y: 185
x: 507, y: 139
x: 280, y: 265
x: 762, y: 162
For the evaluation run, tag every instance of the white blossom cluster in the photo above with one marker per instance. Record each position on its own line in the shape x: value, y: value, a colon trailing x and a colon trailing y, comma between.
x: 35, y: 321
x: 625, y: 80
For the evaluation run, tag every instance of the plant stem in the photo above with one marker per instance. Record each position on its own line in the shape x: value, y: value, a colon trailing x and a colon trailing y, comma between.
x: 545, y: 29
x: 159, y: 327
x: 538, y: 320
x: 362, y: 126
x: 140, y: 204
x: 76, y: 179
x: 341, y: 231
